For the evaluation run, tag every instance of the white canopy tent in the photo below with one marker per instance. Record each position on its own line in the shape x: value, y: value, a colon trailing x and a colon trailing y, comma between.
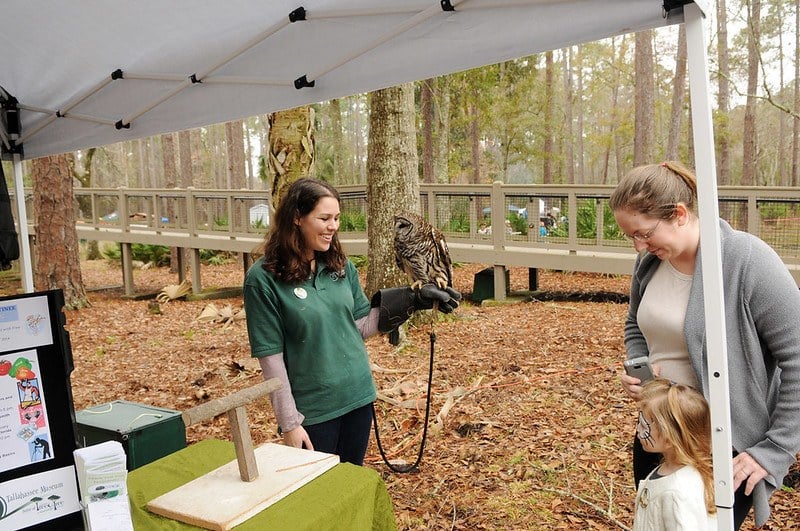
x: 77, y: 75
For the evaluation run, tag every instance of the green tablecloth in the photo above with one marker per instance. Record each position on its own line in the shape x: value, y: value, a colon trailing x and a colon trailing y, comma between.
x: 345, y: 497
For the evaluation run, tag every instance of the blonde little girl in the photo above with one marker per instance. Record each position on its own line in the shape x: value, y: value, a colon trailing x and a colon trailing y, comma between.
x: 674, y: 421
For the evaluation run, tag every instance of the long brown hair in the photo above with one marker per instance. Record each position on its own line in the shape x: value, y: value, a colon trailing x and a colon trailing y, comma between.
x: 684, y: 420
x: 284, y: 245
x: 655, y: 189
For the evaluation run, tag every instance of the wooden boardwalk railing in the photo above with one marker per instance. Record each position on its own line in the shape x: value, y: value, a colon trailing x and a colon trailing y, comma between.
x: 580, y: 232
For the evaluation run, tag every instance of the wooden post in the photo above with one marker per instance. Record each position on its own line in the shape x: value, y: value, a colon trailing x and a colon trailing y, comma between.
x: 243, y: 443
x: 234, y: 405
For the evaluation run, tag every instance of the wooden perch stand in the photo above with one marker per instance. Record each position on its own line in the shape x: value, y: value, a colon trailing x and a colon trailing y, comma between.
x: 234, y: 406
x: 240, y: 494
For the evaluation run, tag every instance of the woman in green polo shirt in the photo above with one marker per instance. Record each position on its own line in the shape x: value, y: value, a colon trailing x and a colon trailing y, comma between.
x: 307, y: 318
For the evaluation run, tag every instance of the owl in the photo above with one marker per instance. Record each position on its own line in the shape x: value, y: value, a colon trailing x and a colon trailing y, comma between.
x: 420, y: 251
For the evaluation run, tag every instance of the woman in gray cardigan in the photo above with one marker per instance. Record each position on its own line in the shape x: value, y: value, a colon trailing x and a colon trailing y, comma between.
x: 656, y: 206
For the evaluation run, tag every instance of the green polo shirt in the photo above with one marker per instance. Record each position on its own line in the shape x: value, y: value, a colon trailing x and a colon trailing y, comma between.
x: 313, y: 324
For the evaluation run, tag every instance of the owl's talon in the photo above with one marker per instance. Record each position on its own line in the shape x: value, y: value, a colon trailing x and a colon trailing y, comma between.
x: 417, y: 285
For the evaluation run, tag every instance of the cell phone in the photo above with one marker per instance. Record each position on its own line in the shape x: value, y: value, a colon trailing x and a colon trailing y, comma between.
x: 639, y: 368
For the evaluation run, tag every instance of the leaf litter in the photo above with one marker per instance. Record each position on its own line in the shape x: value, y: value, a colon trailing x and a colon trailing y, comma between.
x: 529, y: 427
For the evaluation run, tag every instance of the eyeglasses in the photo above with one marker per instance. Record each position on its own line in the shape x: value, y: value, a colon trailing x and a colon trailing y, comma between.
x: 644, y: 237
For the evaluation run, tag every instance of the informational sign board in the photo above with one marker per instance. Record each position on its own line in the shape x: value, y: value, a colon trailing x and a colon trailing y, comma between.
x: 38, y: 487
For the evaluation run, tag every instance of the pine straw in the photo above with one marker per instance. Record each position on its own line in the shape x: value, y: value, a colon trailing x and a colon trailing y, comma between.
x: 533, y: 429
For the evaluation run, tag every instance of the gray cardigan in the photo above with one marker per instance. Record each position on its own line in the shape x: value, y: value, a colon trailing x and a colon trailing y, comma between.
x: 762, y: 316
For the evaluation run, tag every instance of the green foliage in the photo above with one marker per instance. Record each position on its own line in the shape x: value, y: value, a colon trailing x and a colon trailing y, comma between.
x: 560, y: 231
x: 352, y: 221
x: 258, y: 224
x: 158, y: 254
x: 458, y: 223
x: 214, y: 257
x: 112, y: 253
x: 220, y: 222
x: 262, y: 169
x: 360, y: 261
x: 769, y: 210
x: 518, y: 224
x: 587, y: 222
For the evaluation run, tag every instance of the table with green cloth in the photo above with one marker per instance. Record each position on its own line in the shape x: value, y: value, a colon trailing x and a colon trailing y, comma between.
x: 345, y: 497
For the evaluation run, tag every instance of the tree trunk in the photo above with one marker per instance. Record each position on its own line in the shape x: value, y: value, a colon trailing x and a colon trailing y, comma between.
x: 339, y: 169
x: 168, y: 159
x: 57, y: 252
x: 581, y: 172
x: 569, y: 135
x: 474, y: 139
x: 184, y: 180
x: 197, y: 176
x: 185, y: 159
x: 234, y: 143
x: 248, y: 153
x: 360, y: 171
x: 644, y: 121
x: 291, y: 148
x: 427, y: 119
x: 549, y: 112
x: 796, y: 121
x: 219, y: 157
x: 84, y: 176
x: 722, y: 122
x: 784, y: 177
x: 135, y: 164
x: 392, y: 179
x: 615, y: 134
x: 690, y: 158
x: 442, y: 140
x: 236, y: 169
x: 678, y: 95
x: 749, y: 140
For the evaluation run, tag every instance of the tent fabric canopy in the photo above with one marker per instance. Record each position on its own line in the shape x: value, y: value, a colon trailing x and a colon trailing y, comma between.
x: 98, y: 72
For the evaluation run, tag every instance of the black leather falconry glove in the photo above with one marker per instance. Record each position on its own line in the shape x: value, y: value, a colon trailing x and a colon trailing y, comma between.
x: 398, y: 304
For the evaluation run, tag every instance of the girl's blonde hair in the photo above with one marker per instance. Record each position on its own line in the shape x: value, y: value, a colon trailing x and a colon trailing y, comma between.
x: 655, y: 189
x: 683, y: 418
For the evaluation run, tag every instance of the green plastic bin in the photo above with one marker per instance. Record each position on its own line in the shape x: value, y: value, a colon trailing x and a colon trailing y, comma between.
x: 146, y: 432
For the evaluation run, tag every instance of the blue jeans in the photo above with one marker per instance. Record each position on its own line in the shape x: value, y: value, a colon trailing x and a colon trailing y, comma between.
x: 346, y: 436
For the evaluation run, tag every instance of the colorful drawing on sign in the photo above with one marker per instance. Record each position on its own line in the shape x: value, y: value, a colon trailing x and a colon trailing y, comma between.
x: 25, y: 324
x: 24, y: 429
x: 35, y: 323
x: 40, y: 448
x: 33, y: 417
x: 29, y: 393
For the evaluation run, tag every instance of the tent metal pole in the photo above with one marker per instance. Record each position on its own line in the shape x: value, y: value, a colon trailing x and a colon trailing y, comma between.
x: 71, y: 104
x: 25, y: 264
x: 711, y: 262
x: 70, y: 114
x: 198, y: 77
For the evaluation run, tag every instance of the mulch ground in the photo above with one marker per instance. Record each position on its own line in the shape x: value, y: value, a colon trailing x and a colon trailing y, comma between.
x: 529, y: 426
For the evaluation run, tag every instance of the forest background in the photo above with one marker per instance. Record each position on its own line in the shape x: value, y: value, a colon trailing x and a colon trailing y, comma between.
x: 584, y: 114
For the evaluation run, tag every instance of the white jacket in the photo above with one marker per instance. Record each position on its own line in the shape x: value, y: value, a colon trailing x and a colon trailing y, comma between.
x: 673, y: 502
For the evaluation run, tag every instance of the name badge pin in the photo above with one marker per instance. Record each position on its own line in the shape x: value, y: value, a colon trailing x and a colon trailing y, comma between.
x: 300, y: 293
